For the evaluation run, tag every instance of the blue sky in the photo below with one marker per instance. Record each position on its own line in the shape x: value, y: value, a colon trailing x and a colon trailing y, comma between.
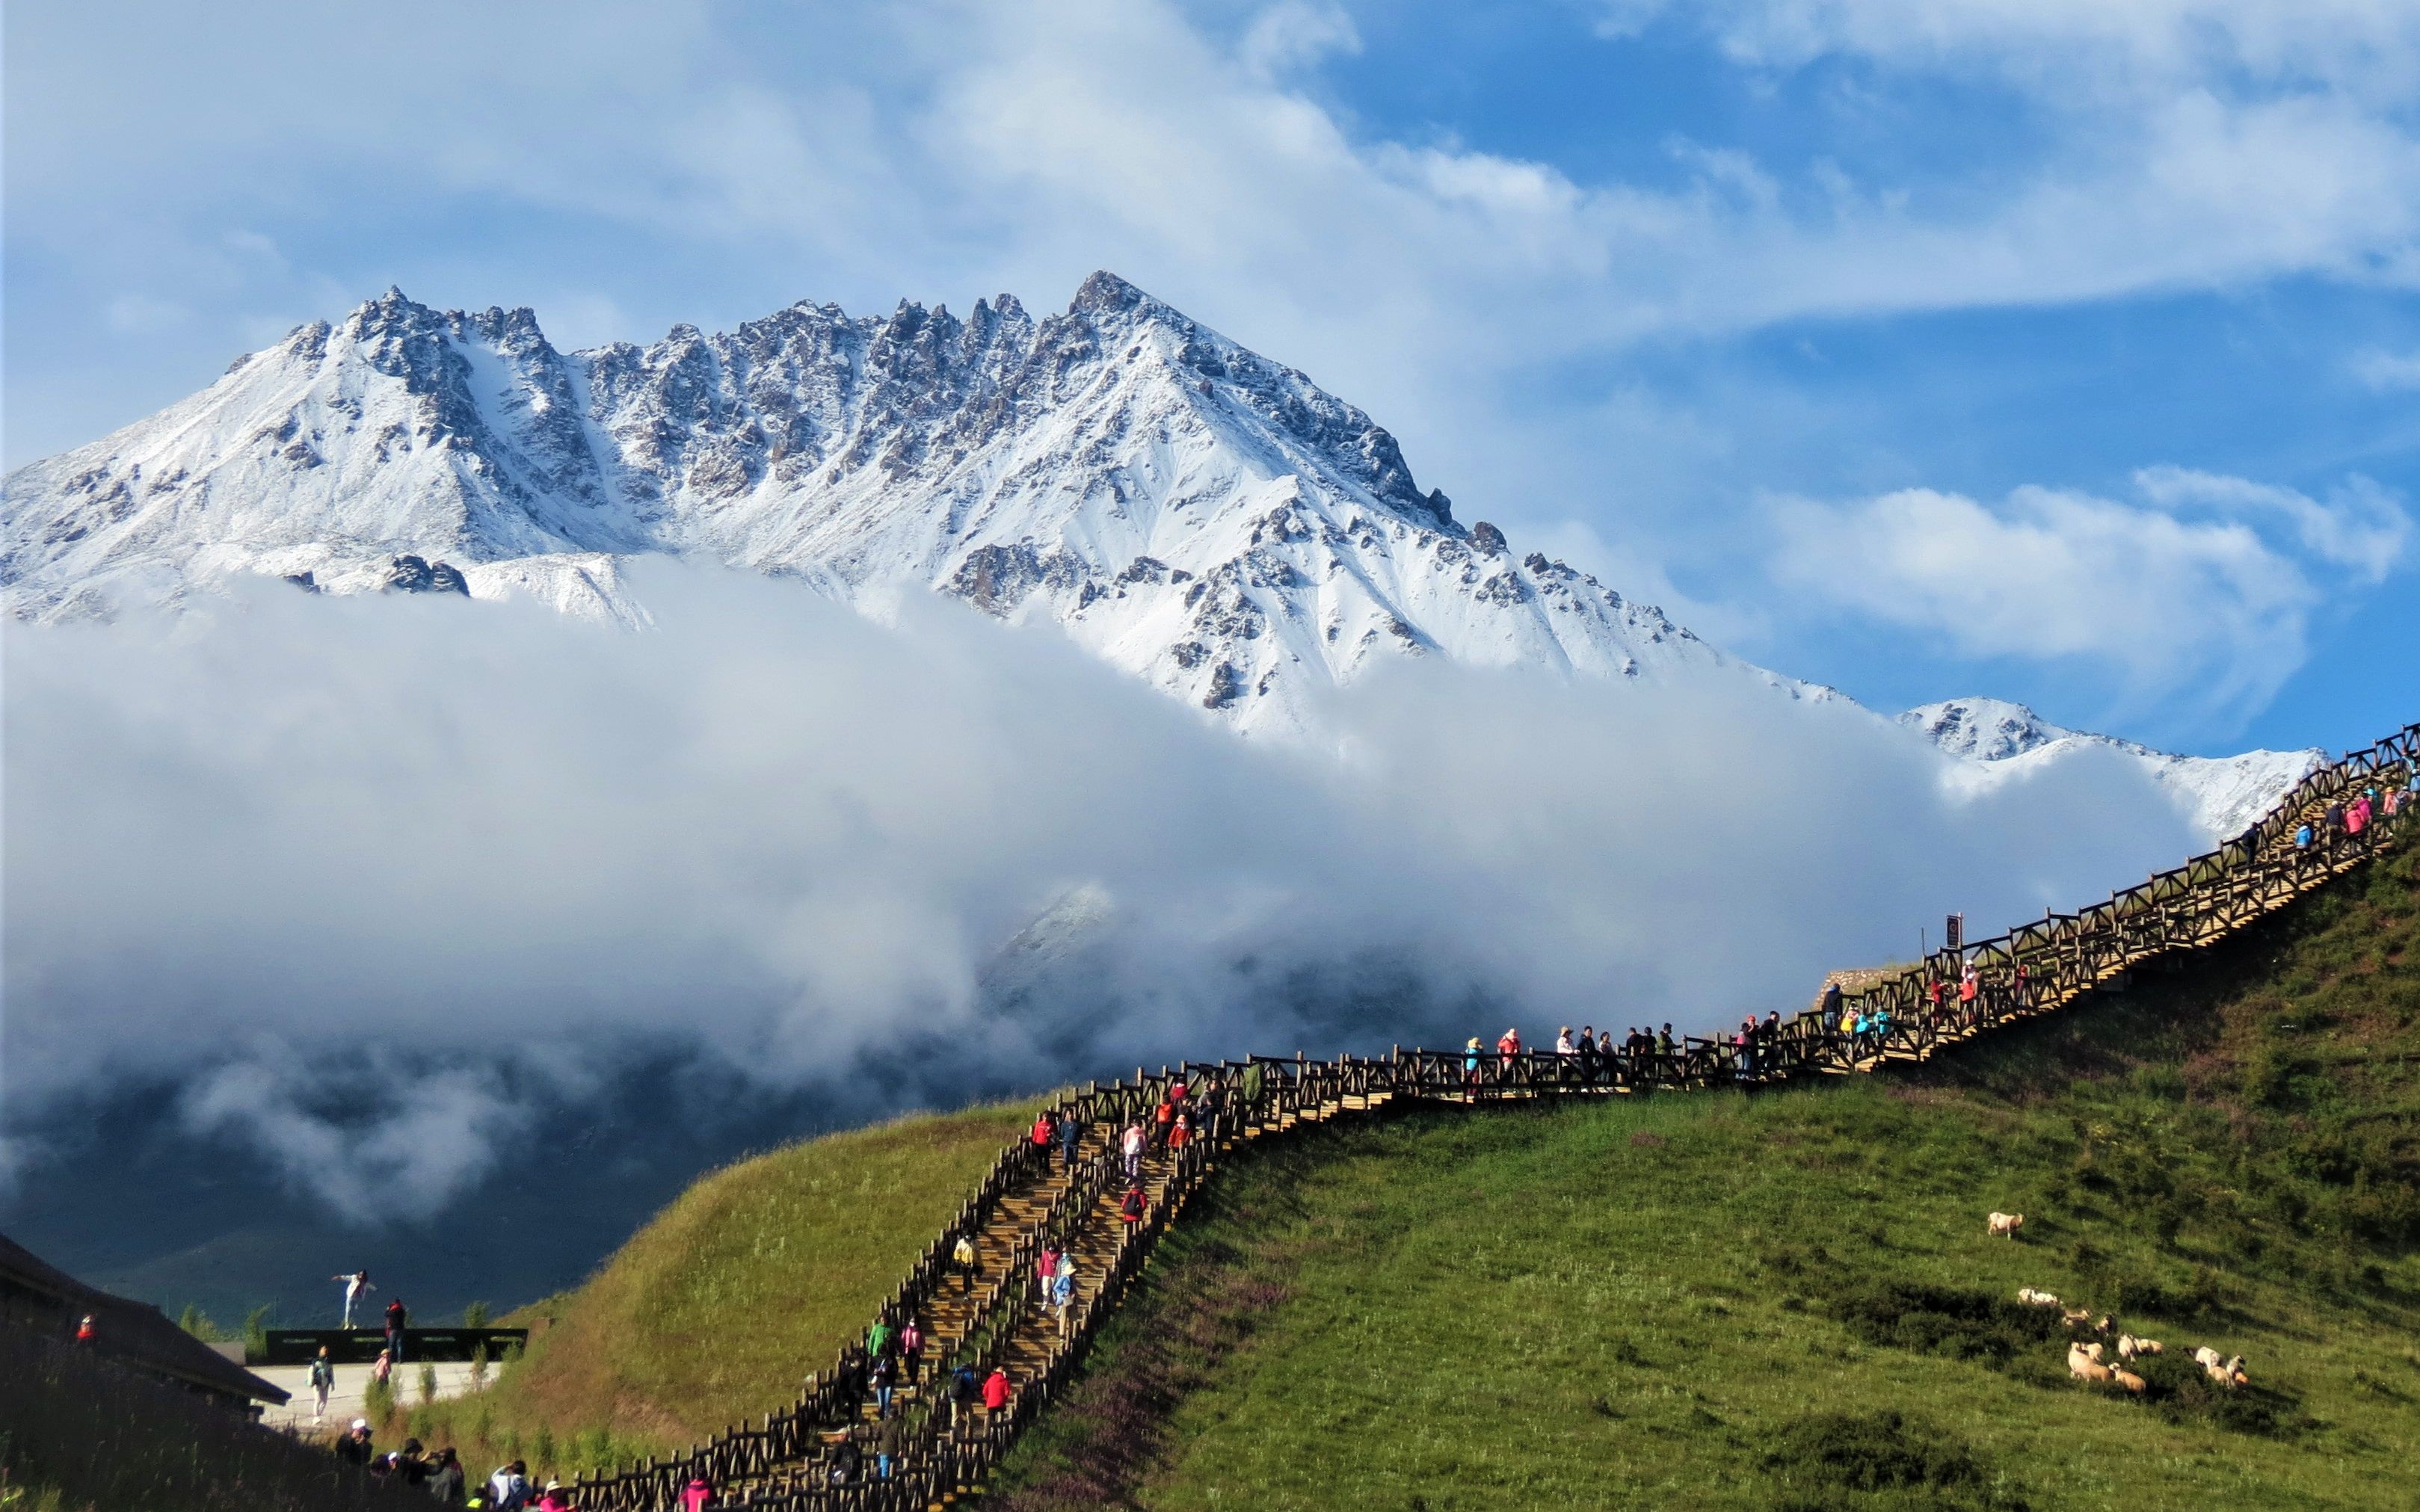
x: 2057, y: 349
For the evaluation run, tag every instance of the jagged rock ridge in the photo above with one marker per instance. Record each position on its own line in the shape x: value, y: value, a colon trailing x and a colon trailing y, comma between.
x: 1187, y: 508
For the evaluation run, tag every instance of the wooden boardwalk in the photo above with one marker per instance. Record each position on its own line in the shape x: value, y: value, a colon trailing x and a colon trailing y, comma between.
x: 821, y: 1454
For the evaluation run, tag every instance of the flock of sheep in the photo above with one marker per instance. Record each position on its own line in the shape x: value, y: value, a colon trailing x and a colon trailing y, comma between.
x: 2085, y: 1356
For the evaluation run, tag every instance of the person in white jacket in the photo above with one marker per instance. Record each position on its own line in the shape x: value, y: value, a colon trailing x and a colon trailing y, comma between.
x: 357, y: 1286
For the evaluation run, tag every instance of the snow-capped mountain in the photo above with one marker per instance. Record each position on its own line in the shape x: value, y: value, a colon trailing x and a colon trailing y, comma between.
x: 2224, y: 794
x: 1188, y: 510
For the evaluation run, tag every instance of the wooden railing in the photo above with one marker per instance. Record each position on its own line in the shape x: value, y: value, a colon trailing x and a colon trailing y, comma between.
x: 786, y: 1462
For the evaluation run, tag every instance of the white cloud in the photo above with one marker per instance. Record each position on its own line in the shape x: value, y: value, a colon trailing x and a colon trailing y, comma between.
x: 1294, y: 33
x: 143, y: 315
x: 365, y: 876
x: 2387, y: 372
x: 2205, y: 586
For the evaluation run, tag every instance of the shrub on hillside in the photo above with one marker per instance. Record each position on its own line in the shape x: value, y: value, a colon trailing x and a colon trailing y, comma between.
x: 2182, y: 1391
x: 1867, y: 1460
x: 1957, y: 1321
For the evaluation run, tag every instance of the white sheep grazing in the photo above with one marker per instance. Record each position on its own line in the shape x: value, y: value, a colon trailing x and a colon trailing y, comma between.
x: 2007, y: 1223
x: 2091, y: 1352
x: 2206, y: 1357
x: 2084, y: 1367
x: 2149, y: 1347
x: 2127, y: 1379
x: 2235, y: 1376
x: 2076, y: 1315
x: 2128, y: 1346
x: 2036, y: 1299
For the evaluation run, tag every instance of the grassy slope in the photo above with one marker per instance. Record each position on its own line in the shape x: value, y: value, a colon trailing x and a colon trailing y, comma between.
x: 1636, y: 1303
x: 716, y: 1310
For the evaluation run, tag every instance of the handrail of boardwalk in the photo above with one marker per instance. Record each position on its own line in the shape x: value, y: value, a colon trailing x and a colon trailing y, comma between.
x: 787, y: 1462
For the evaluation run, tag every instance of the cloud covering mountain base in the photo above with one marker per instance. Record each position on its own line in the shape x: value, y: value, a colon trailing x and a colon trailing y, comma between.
x: 367, y: 879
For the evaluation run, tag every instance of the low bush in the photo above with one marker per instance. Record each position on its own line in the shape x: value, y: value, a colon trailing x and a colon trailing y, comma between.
x: 1880, y: 1458
x: 1959, y: 1322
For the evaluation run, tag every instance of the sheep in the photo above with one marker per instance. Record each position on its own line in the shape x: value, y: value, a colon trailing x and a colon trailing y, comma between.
x: 2082, y: 1364
x: 2228, y: 1373
x: 2032, y: 1298
x: 2007, y: 1223
x: 2091, y: 1352
x: 2076, y: 1314
x: 2127, y: 1379
x: 2206, y: 1357
x: 2131, y: 1347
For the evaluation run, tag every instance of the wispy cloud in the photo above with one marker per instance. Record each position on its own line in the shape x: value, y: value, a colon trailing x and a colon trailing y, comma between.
x: 2203, y: 583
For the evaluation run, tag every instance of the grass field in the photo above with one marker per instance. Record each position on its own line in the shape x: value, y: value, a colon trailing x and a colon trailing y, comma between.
x: 718, y: 1308
x: 1716, y: 1301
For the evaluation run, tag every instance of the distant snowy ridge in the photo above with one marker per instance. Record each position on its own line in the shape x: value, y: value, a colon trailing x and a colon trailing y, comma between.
x: 1189, y: 511
x: 2224, y: 794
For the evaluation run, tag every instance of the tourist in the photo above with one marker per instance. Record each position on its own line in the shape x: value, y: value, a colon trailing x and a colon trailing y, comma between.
x: 1471, y: 1059
x: 445, y: 1477
x: 878, y: 1339
x: 87, y: 1333
x: 697, y: 1494
x: 357, y: 1286
x: 396, y: 1319
x: 1063, y: 1298
x: 1130, y: 1209
x: 382, y: 1368
x: 886, y: 1446
x: 1045, y: 1131
x: 553, y: 1499
x: 883, y: 1374
x: 355, y: 1448
x: 1071, y: 1140
x: 1163, y: 1123
x: 995, y: 1392
x: 1507, y: 1046
x: 912, y: 1350
x: 509, y: 1486
x: 1181, y: 1134
x: 1664, y: 1042
x: 409, y: 1467
x: 962, y: 1257
x: 1131, y: 1146
x: 965, y: 1390
x: 323, y: 1380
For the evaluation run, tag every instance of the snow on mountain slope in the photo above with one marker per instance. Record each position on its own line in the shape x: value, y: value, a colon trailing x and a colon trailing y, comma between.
x: 2224, y: 794
x: 1190, y: 511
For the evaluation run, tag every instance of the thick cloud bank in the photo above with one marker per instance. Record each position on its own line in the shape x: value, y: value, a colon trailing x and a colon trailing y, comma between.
x: 358, y: 876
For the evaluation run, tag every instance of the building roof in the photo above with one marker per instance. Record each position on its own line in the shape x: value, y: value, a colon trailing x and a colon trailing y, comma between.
x: 135, y: 1332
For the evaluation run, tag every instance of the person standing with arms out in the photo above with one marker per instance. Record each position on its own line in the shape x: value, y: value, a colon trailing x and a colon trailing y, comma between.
x: 323, y: 1380
x: 357, y: 1286
x: 396, y: 1319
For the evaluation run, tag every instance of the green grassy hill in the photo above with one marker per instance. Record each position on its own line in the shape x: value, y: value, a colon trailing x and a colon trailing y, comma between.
x: 1790, y: 1299
x: 717, y: 1309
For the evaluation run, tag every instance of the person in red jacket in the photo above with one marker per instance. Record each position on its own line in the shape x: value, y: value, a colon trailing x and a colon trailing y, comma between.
x: 1507, y: 1047
x: 1131, y: 1211
x: 1043, y: 1130
x: 995, y: 1391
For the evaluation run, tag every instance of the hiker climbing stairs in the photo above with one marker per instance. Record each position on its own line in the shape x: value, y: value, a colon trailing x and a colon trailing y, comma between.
x: 827, y: 1452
